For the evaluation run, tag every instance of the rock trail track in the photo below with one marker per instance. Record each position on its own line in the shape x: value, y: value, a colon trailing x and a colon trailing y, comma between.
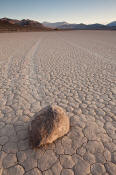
x: 77, y: 71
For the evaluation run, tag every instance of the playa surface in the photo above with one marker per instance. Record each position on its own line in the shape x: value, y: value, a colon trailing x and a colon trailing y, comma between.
x: 77, y: 71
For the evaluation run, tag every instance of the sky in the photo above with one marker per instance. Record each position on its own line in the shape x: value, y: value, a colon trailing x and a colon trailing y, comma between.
x: 72, y: 11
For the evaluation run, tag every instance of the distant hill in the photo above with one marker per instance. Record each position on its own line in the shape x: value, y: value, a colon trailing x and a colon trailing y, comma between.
x: 85, y: 26
x: 112, y: 24
x: 7, y: 24
x: 81, y: 26
x: 54, y: 25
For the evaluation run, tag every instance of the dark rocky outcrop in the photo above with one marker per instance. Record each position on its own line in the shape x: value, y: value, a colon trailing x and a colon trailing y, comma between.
x: 26, y: 25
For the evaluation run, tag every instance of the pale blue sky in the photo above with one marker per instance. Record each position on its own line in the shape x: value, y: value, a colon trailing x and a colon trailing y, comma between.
x: 73, y: 11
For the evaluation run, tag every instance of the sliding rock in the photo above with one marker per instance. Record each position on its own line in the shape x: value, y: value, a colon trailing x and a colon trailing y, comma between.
x: 48, y: 125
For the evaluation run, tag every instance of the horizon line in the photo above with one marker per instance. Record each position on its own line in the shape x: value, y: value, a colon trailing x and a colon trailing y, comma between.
x: 57, y: 21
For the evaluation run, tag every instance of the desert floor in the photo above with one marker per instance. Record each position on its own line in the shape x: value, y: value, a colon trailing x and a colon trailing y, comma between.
x: 74, y: 69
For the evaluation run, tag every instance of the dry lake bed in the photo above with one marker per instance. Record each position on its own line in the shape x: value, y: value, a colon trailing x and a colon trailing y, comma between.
x: 75, y: 70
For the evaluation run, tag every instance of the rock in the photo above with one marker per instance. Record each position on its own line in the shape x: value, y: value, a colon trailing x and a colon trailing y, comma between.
x: 48, y: 125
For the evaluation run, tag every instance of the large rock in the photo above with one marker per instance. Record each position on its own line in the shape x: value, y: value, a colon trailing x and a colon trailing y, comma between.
x: 48, y: 125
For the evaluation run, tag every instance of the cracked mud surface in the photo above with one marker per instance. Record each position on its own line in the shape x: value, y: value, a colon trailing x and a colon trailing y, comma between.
x: 77, y: 71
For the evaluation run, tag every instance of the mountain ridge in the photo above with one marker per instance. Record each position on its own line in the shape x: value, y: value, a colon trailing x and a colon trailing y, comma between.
x: 55, y: 24
x: 7, y: 24
x: 66, y: 25
x: 113, y: 23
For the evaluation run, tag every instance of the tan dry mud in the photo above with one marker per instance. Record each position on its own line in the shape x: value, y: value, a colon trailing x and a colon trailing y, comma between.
x: 74, y: 69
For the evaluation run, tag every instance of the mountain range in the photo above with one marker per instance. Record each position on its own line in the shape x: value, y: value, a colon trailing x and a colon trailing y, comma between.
x: 55, y: 24
x: 112, y: 23
x: 65, y: 25
x: 7, y: 24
